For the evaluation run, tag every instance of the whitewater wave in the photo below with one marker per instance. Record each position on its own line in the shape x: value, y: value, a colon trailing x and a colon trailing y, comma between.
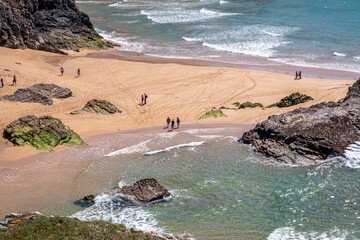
x: 192, y: 39
x: 140, y: 147
x: 223, y: 2
x: 126, y: 43
x: 352, y: 156
x: 192, y: 144
x: 338, y: 54
x: 289, y: 233
x: 357, y: 57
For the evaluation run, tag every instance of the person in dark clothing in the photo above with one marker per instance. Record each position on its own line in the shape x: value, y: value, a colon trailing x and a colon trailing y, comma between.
x: 78, y: 72
x: 296, y: 75
x: 2, y: 83
x: 142, y: 99
x: 168, y: 122
x: 145, y: 97
x: 172, y: 124
x: 178, y: 122
x: 300, y: 75
x: 62, y: 71
x: 14, y: 80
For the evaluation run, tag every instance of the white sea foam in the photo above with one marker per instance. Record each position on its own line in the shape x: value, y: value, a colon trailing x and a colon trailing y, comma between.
x: 289, y: 233
x: 192, y: 144
x: 140, y: 147
x: 338, y: 54
x: 209, y: 137
x: 352, y: 156
x: 273, y: 34
x: 126, y: 43
x: 357, y: 57
x: 223, y: 2
x: 192, y: 39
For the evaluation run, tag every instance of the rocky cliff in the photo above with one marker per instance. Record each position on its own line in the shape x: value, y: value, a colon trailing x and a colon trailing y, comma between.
x: 310, y: 135
x: 48, y: 25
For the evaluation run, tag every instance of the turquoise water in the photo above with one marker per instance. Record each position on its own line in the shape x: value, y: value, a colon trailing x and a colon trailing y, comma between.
x: 223, y: 190
x: 322, y: 33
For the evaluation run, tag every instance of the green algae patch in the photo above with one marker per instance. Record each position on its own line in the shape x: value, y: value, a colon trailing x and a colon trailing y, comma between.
x: 213, y: 113
x: 247, y: 105
x: 291, y: 100
x: 41, y: 227
x: 43, y: 133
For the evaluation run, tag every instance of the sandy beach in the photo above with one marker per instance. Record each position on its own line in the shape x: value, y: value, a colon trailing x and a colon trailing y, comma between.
x: 174, y: 90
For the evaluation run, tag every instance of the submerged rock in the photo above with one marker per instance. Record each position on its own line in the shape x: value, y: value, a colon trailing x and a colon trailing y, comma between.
x: 86, y: 201
x: 43, y: 133
x: 310, y: 135
x: 49, y: 25
x: 39, y: 93
x: 98, y: 106
x: 145, y: 191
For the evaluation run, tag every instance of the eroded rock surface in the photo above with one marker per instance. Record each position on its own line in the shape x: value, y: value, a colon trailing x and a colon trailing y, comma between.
x: 43, y: 133
x: 310, y: 135
x: 146, y: 190
x: 39, y: 93
x: 98, y: 106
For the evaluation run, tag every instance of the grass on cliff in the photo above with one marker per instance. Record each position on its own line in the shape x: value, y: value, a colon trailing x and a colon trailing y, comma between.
x: 68, y: 228
x: 213, y: 113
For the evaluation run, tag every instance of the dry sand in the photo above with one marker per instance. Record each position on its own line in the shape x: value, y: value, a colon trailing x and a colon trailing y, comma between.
x: 174, y: 90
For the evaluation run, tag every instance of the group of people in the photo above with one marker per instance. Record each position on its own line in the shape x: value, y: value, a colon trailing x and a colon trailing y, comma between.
x: 168, y: 121
x: 62, y: 71
x: 297, y: 75
x: 13, y: 83
x: 143, y: 99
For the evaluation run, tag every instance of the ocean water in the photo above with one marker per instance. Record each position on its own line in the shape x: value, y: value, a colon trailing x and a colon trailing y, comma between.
x: 221, y: 189
x: 315, y: 33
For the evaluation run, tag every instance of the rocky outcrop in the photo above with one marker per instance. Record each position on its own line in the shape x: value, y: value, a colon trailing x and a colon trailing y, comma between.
x: 310, y: 135
x: 291, y: 100
x: 48, y: 25
x: 13, y: 219
x: 39, y: 93
x: 145, y: 191
x: 98, y: 106
x: 43, y: 133
x: 86, y: 201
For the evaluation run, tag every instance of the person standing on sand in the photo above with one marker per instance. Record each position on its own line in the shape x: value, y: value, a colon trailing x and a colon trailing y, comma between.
x: 172, y: 124
x: 296, y: 75
x: 145, y: 97
x: 299, y: 75
x: 14, y: 80
x: 62, y: 71
x: 178, y: 122
x: 168, y: 122
x: 142, y: 99
x: 78, y: 72
x: 2, y: 83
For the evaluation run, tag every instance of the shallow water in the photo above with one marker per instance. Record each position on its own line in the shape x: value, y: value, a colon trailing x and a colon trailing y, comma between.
x: 322, y: 33
x: 223, y: 190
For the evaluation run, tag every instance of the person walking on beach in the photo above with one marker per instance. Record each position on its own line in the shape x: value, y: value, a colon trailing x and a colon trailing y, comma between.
x: 142, y: 99
x: 2, y: 83
x: 296, y: 75
x: 62, y: 71
x: 168, y: 122
x: 299, y: 75
x: 172, y: 124
x: 78, y: 73
x: 178, y: 122
x: 145, y: 97
x: 14, y: 81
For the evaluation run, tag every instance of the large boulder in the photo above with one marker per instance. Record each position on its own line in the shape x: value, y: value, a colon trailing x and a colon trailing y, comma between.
x: 145, y: 191
x: 43, y: 133
x: 310, y: 135
x: 98, y: 106
x: 49, y: 25
x: 39, y: 93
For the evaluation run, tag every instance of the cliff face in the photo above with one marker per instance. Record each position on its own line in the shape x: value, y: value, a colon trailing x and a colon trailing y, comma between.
x: 48, y: 25
x: 310, y: 135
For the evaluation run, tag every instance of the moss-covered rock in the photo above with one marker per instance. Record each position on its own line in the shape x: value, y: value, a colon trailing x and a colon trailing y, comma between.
x: 291, y: 100
x: 247, y: 105
x: 98, y: 106
x: 213, y: 113
x: 43, y: 133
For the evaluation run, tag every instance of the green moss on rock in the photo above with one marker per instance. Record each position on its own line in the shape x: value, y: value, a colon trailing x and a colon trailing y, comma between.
x: 291, y: 100
x: 213, y: 113
x: 247, y: 105
x: 43, y: 133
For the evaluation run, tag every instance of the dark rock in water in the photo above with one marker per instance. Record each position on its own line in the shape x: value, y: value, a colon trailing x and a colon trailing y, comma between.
x: 310, y: 135
x: 49, y: 25
x: 291, y: 100
x: 39, y: 93
x: 98, y: 106
x: 146, y: 191
x: 43, y: 133
x: 86, y: 201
